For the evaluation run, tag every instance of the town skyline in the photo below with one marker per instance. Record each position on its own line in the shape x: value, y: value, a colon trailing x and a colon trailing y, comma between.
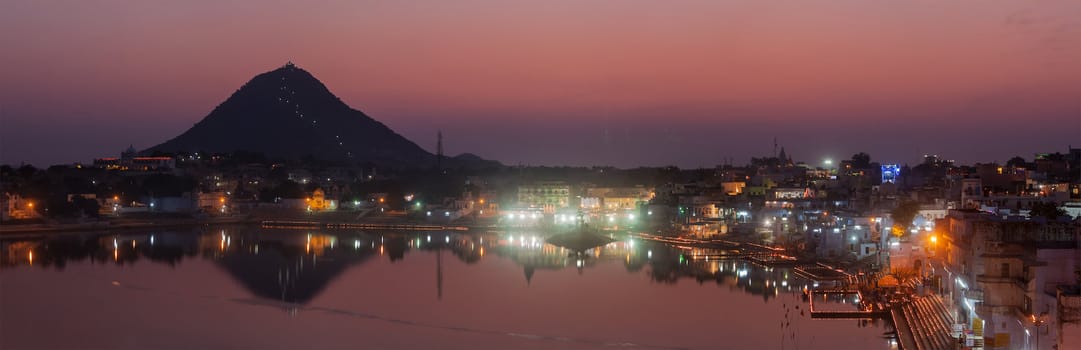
x: 565, y: 83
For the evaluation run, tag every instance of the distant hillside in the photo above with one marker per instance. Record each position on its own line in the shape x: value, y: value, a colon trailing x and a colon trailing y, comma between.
x: 289, y: 113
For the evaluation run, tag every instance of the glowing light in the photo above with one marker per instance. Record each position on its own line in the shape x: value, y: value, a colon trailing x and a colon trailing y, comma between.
x: 934, y: 239
x: 30, y: 256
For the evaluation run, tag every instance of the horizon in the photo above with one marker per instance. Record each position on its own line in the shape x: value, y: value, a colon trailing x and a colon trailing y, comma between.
x: 564, y: 83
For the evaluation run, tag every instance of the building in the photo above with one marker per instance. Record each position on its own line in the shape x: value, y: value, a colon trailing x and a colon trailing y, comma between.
x: 129, y: 160
x: 549, y: 195
x: 890, y: 172
x: 617, y: 198
x: 1004, y: 274
x: 319, y: 202
x: 16, y: 207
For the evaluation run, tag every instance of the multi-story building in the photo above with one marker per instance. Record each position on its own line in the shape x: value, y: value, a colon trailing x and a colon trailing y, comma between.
x: 1004, y: 274
x: 619, y: 198
x: 549, y: 195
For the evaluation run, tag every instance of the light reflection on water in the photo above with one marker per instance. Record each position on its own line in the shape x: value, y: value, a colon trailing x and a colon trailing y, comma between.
x: 289, y: 288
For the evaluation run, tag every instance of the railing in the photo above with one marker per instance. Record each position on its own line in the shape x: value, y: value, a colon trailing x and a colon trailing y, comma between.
x: 1018, y: 281
x: 984, y: 310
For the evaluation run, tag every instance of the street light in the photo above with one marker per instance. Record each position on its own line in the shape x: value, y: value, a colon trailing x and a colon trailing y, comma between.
x: 1038, y: 321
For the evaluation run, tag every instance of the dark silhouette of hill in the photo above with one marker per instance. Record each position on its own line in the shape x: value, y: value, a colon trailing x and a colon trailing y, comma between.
x: 277, y: 274
x: 288, y: 113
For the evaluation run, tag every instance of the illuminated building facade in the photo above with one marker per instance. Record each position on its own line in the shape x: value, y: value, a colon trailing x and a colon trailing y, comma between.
x: 890, y: 172
x: 547, y: 195
x: 319, y: 202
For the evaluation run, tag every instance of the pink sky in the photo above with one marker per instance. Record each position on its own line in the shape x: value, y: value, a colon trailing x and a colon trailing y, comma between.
x: 628, y: 82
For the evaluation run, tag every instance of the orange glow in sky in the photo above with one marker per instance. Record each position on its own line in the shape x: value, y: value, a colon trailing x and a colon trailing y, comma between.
x: 632, y: 82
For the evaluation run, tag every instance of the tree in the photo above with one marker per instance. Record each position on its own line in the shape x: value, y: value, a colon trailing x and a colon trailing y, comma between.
x: 1016, y: 162
x: 904, y: 273
x: 88, y: 207
x: 1046, y: 210
x: 861, y: 160
x: 903, y: 215
x: 27, y: 171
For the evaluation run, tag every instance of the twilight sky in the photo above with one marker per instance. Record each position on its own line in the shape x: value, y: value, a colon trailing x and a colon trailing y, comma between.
x: 573, y: 82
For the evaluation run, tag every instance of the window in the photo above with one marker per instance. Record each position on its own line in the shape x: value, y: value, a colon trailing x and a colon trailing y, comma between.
x: 1004, y: 270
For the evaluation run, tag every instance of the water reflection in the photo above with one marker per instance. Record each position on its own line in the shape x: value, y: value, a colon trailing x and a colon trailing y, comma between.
x: 495, y: 285
x: 294, y: 266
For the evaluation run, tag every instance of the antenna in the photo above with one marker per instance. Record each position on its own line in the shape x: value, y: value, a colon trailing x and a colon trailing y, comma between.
x: 439, y: 150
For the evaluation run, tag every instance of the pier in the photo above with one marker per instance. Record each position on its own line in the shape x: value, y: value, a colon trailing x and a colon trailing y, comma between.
x: 874, y: 310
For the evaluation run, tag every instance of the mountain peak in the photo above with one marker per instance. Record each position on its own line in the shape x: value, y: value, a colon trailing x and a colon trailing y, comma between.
x: 287, y: 112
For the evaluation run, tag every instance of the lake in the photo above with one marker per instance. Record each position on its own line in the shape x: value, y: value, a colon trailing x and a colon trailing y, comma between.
x: 249, y: 287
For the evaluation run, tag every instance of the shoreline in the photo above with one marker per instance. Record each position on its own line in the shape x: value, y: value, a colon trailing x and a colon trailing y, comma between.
x: 327, y: 221
x: 7, y: 231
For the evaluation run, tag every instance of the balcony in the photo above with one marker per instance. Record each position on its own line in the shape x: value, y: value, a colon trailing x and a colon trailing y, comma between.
x: 974, y: 294
x: 1017, y: 281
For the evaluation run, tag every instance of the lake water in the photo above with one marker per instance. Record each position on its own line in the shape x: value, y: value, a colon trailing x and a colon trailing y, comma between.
x: 248, y: 287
